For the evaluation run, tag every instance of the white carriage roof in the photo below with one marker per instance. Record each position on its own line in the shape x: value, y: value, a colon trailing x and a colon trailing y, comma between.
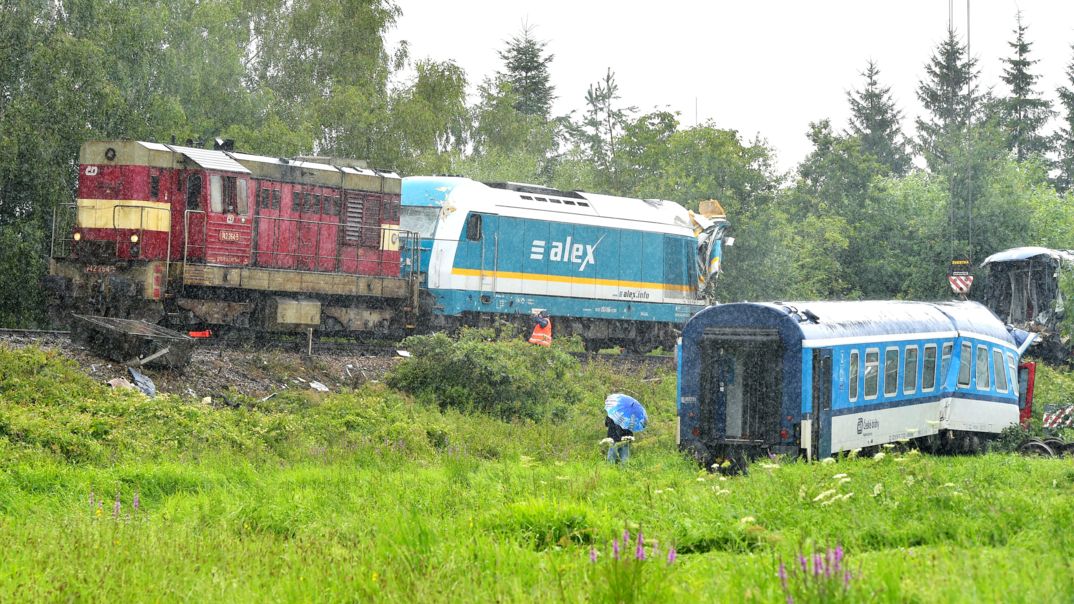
x: 310, y: 165
x: 1025, y: 253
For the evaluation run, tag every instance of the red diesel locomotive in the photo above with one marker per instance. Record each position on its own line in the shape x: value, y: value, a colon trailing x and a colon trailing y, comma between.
x: 190, y: 236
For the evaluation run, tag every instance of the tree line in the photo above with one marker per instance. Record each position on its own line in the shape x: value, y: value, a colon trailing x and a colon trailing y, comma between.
x: 871, y: 212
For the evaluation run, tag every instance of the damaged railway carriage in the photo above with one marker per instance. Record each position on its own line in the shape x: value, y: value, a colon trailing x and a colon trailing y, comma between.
x: 191, y: 237
x: 613, y: 270
x: 818, y: 378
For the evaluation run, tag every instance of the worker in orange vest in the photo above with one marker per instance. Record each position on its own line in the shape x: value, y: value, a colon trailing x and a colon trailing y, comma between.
x: 542, y: 329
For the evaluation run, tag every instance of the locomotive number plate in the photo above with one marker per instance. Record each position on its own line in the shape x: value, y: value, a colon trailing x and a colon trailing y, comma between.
x: 229, y: 236
x: 100, y: 268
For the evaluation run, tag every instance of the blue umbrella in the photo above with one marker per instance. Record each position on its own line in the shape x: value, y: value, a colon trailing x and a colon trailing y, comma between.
x: 626, y: 412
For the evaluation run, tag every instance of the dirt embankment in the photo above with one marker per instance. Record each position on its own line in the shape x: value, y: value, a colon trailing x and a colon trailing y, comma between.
x: 217, y: 371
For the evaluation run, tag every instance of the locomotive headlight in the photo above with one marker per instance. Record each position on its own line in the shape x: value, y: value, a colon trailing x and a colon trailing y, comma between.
x: 77, y: 236
x: 134, y: 238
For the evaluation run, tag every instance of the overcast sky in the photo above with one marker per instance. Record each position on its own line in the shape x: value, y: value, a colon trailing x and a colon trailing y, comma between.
x: 765, y: 67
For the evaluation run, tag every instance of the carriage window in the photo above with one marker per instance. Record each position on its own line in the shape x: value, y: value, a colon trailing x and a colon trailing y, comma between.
x: 275, y: 199
x: 964, y: 364
x: 872, y: 369
x: 263, y: 196
x: 242, y: 200
x: 891, y: 371
x: 928, y: 372
x: 1012, y: 365
x: 854, y: 359
x: 982, y: 368
x: 154, y: 187
x: 473, y: 227
x: 193, y: 192
x: 307, y: 205
x: 296, y: 201
x: 1000, y: 370
x: 909, y: 371
x: 216, y: 193
x: 945, y: 360
x: 316, y: 209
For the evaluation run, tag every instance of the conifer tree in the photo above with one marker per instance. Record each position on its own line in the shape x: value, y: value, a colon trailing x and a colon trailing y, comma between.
x: 949, y: 94
x: 1024, y: 111
x: 1064, y: 181
x: 874, y: 119
x: 526, y: 67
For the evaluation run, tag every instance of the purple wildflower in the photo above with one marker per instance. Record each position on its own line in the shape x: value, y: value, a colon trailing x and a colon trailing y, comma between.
x: 92, y: 500
x: 829, y: 562
x: 846, y: 578
x: 592, y: 554
x: 615, y: 549
x: 639, y: 552
x: 626, y: 537
x: 116, y: 507
x: 640, y: 539
x: 783, y: 575
x: 137, y: 502
x: 817, y: 563
x: 802, y: 562
x: 790, y: 600
x: 671, y: 555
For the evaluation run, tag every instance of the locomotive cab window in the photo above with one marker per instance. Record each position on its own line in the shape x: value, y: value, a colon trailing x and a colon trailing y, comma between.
x: 891, y: 371
x: 964, y: 364
x: 854, y: 370
x: 193, y: 192
x: 1000, y: 370
x: 1012, y: 366
x: 909, y: 371
x: 945, y: 360
x: 216, y: 193
x: 154, y: 187
x: 872, y: 369
x: 928, y: 371
x: 473, y: 227
x: 242, y: 202
x: 982, y: 368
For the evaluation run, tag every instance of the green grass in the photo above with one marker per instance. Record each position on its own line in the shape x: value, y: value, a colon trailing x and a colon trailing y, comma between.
x: 372, y: 496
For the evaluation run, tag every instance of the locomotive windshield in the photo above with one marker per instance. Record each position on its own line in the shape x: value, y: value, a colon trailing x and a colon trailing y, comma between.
x: 421, y: 220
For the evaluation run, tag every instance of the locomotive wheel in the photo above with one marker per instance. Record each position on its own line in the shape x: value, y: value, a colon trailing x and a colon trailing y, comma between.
x: 1036, y: 448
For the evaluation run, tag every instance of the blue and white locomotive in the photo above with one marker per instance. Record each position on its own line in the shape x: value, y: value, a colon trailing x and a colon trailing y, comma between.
x: 614, y: 270
x: 818, y: 378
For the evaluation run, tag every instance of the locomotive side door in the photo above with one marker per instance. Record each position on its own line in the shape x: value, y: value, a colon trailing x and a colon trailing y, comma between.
x: 193, y: 186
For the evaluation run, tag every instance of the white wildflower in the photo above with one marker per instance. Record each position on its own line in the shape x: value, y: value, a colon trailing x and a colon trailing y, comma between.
x: 879, y: 456
x: 888, y: 446
x: 910, y: 480
x: 844, y: 480
x: 747, y: 520
x: 838, y: 476
x: 878, y: 488
x: 825, y: 494
x: 854, y: 453
x: 769, y: 466
x: 701, y: 479
x: 949, y: 485
x: 847, y: 496
x: 606, y: 441
x: 827, y: 460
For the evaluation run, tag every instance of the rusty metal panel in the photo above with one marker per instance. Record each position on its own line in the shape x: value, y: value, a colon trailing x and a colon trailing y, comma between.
x: 294, y: 281
x: 216, y: 311
x: 292, y: 312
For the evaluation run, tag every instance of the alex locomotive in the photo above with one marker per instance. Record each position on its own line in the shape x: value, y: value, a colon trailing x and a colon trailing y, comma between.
x: 818, y: 378
x: 194, y: 237
x: 614, y: 270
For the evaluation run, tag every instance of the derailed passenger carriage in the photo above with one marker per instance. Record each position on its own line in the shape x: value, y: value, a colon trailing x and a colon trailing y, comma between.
x: 194, y: 237
x: 819, y: 378
x: 616, y: 271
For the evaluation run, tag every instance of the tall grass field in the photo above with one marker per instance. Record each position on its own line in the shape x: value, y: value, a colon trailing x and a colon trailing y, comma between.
x: 475, y: 474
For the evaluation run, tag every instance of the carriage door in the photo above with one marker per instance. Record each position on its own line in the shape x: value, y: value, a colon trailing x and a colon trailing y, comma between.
x: 821, y: 440
x: 229, y: 232
x: 742, y: 386
x: 490, y: 258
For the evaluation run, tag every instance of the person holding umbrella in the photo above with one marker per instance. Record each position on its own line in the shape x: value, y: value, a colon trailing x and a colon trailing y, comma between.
x: 624, y: 417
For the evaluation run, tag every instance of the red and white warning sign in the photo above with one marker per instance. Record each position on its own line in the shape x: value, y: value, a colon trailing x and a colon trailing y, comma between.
x: 960, y: 283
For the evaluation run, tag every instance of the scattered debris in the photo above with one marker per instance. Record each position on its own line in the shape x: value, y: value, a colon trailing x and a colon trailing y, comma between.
x: 120, y: 383
x: 403, y: 353
x: 143, y: 382
x: 319, y: 387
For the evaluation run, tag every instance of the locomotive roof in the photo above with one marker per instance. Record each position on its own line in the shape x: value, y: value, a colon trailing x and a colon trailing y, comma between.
x: 535, y: 201
x: 1025, y: 253
x: 831, y: 323
x: 276, y: 168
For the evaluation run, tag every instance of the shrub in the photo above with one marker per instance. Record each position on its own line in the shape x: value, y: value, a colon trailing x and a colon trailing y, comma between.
x: 510, y: 379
